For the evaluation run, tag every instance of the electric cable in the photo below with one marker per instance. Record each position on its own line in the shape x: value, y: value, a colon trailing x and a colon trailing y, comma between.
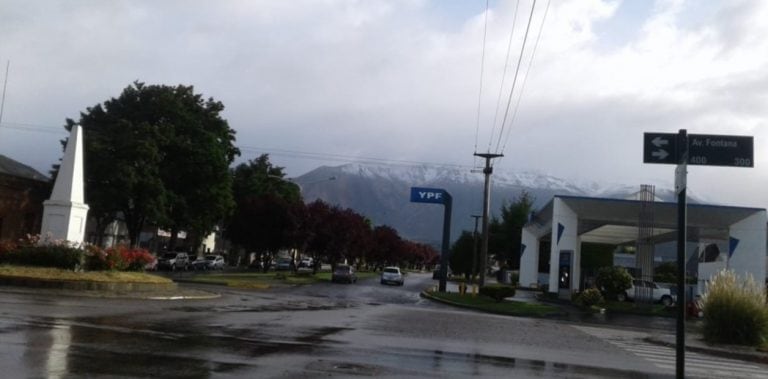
x: 480, y: 92
x: 503, y: 77
x: 525, y: 79
x: 517, y: 71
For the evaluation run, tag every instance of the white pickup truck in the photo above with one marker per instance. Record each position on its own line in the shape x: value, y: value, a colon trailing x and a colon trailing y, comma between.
x: 647, y: 290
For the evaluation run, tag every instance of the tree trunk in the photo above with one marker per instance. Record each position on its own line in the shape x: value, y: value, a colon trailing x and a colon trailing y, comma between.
x: 172, y: 241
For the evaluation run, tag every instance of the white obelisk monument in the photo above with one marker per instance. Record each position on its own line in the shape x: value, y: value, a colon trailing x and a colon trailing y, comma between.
x: 65, y: 213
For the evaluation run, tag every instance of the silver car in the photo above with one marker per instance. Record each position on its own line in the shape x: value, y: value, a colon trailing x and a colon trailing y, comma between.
x: 392, y: 275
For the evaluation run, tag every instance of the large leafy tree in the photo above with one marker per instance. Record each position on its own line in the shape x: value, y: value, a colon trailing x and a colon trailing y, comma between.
x: 260, y: 177
x: 506, y: 233
x: 387, y: 247
x: 336, y: 234
x: 462, y: 253
x: 161, y: 154
x: 268, y: 212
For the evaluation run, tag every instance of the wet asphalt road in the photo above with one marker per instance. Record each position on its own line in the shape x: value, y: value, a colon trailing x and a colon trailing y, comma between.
x: 324, y: 330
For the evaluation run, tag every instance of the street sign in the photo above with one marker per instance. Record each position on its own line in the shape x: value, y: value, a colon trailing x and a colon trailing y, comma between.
x: 703, y: 149
x: 428, y: 195
x: 438, y: 196
x: 715, y: 150
x: 660, y: 148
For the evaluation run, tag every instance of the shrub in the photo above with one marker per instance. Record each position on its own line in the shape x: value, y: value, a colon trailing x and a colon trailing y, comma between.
x: 120, y: 258
x: 58, y: 256
x: 497, y: 292
x: 590, y: 297
x: 135, y: 259
x: 613, y: 281
x: 734, y: 310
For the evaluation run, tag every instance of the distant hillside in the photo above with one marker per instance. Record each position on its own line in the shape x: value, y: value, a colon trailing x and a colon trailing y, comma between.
x: 382, y: 193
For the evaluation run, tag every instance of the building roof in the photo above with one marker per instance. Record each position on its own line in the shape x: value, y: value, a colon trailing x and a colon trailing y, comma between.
x: 615, y: 221
x: 11, y: 167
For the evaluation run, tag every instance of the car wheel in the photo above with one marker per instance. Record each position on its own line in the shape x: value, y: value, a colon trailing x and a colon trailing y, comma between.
x: 666, y: 301
x: 622, y: 297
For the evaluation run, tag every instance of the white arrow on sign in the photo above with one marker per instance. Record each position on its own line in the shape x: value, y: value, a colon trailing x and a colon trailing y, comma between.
x: 660, y: 154
x: 659, y: 142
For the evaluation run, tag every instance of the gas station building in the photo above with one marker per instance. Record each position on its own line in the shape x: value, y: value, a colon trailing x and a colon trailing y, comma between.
x: 566, y: 222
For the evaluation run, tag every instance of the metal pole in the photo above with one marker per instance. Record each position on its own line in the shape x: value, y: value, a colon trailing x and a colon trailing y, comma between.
x: 680, y: 187
x: 446, y: 249
x: 474, y: 249
x: 488, y: 170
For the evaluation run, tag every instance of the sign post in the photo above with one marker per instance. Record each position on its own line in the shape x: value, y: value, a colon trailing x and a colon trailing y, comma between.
x: 681, y: 181
x: 685, y: 149
x: 438, y: 196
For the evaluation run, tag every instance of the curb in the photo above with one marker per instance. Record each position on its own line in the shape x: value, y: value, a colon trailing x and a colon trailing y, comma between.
x: 82, y: 285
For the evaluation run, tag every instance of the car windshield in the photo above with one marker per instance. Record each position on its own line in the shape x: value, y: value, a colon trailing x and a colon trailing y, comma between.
x: 169, y: 255
x: 210, y: 257
x: 342, y: 269
x: 392, y: 270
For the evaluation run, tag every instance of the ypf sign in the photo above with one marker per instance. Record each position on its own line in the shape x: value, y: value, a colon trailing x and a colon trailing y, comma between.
x: 438, y: 196
x: 428, y: 195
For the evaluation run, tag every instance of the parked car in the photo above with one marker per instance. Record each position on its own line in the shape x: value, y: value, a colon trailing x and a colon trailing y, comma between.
x: 344, y: 274
x: 392, y: 275
x: 173, y: 261
x: 645, y: 289
x: 283, y: 265
x: 199, y: 264
x: 214, y: 262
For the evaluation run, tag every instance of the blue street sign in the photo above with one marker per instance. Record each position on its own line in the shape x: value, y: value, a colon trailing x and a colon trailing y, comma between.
x: 429, y: 195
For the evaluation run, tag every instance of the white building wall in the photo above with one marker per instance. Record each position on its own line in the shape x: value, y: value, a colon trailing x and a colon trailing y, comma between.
x: 563, y: 217
x: 529, y: 259
x: 749, y: 256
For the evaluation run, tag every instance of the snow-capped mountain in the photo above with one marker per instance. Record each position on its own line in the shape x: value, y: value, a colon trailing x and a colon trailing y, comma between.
x: 382, y: 193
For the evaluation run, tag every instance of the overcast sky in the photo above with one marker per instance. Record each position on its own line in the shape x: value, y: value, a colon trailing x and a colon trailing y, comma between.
x: 318, y: 82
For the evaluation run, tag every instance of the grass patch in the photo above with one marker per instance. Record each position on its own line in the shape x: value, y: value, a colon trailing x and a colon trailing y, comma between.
x: 643, y: 310
x: 507, y: 307
x: 262, y: 280
x: 46, y: 273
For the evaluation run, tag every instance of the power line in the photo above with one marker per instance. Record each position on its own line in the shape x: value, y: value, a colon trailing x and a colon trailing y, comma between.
x: 525, y: 78
x: 482, y: 65
x: 33, y: 128
x: 517, y: 71
x: 348, y: 158
x: 503, y: 77
x: 5, y: 84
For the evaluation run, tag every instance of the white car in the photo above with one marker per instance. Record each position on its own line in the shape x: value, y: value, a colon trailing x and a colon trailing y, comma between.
x: 392, y: 275
x: 647, y: 290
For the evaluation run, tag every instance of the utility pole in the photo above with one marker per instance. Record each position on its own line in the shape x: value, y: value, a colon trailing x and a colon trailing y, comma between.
x: 474, y: 248
x: 681, y: 183
x: 487, y: 171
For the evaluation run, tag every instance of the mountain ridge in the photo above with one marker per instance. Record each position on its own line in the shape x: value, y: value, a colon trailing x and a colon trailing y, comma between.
x: 382, y: 193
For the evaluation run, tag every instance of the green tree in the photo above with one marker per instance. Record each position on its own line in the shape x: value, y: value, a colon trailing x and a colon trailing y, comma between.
x: 462, y: 252
x: 260, y: 177
x: 505, y: 234
x: 161, y: 154
x: 268, y: 209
